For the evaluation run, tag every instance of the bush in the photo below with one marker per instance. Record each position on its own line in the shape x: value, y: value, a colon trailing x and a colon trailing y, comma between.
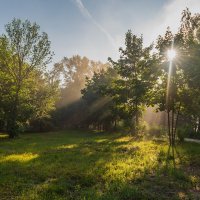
x: 187, y: 132
x: 181, y: 134
x: 41, y: 125
x: 157, y: 131
x: 194, y: 134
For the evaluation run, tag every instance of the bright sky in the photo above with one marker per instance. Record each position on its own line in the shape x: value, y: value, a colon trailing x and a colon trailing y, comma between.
x: 96, y: 28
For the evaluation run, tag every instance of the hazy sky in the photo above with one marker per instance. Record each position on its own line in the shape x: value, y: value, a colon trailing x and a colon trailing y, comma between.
x: 96, y: 28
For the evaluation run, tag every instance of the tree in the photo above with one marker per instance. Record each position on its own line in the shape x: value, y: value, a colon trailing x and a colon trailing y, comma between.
x: 71, y: 109
x: 137, y: 70
x: 190, y: 29
x: 74, y: 71
x: 101, y: 108
x: 179, y: 79
x: 23, y: 50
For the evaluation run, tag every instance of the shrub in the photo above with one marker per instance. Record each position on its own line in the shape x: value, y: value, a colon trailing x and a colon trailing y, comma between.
x: 41, y: 125
x: 184, y: 132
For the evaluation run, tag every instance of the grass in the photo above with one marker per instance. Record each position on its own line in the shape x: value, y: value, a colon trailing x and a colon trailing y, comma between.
x: 92, y: 165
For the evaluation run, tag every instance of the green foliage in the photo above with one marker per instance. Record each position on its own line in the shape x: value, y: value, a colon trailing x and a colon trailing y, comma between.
x: 26, y: 92
x: 113, y: 95
x: 181, y: 99
x: 137, y: 68
x: 147, y: 79
x: 187, y: 131
x: 182, y: 133
x: 71, y: 109
x: 101, y: 107
x: 73, y: 72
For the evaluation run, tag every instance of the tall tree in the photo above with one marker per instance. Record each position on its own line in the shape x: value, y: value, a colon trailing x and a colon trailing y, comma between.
x: 137, y: 69
x: 23, y: 50
x: 179, y: 78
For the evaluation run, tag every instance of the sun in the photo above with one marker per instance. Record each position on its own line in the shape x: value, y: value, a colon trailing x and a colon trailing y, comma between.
x: 171, y: 54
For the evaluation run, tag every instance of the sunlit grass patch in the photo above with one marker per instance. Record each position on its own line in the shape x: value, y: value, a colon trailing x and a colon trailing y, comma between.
x: 25, y: 157
x: 124, y: 139
x: 70, y: 146
x: 101, y: 140
x: 132, y: 160
x: 3, y: 136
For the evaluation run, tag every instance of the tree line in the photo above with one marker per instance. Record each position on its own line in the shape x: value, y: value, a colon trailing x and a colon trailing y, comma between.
x: 82, y: 93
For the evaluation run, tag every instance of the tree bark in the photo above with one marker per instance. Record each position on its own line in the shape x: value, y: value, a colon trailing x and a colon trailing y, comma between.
x: 169, y: 127
x: 12, y: 128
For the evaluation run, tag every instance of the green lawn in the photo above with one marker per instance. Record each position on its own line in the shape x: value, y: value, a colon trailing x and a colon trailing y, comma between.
x: 88, y: 165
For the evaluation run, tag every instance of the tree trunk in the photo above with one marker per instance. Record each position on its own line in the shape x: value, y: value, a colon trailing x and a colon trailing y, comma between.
x: 12, y: 128
x: 169, y: 129
x: 176, y: 123
x: 132, y: 128
x: 198, y: 128
x: 172, y: 127
x: 136, y: 118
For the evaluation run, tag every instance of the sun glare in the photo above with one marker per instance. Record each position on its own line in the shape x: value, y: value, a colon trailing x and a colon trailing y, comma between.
x: 171, y: 54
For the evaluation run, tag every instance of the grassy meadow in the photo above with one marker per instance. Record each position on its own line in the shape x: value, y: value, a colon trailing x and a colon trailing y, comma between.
x: 93, y: 165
